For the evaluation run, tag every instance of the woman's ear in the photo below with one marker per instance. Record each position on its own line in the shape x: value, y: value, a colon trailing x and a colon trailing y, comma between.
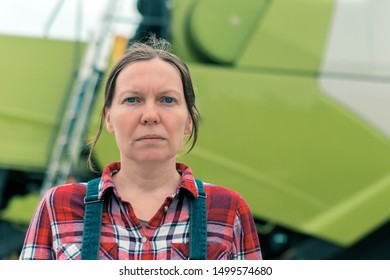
x: 107, y: 118
x: 188, y: 128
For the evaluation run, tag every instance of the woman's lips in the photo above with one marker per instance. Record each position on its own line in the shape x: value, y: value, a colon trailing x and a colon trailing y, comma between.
x: 151, y: 138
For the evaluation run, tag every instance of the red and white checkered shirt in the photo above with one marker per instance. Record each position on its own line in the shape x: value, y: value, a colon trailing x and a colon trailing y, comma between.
x: 55, y: 231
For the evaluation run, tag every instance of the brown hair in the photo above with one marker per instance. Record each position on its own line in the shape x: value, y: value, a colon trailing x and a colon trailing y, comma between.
x: 153, y: 48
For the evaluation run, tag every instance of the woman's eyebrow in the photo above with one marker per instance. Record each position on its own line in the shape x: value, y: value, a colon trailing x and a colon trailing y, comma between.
x: 126, y: 92
x: 167, y: 91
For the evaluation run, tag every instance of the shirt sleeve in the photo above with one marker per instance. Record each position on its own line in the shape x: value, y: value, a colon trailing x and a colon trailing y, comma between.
x: 246, y: 240
x: 38, y: 241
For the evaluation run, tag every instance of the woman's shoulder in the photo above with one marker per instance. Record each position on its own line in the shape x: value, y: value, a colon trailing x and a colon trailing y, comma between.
x: 222, y: 196
x: 63, y: 203
x: 68, y: 194
x: 214, y: 189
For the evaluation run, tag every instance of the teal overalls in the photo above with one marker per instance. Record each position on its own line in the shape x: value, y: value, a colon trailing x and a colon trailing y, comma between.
x: 93, y: 223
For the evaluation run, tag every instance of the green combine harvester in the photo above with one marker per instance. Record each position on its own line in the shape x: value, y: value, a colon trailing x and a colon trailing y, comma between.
x: 294, y: 97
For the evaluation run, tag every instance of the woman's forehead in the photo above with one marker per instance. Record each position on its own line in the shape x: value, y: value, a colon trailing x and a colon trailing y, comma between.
x: 155, y: 74
x: 152, y: 69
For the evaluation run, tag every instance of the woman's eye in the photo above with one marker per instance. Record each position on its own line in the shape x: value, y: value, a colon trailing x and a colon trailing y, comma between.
x: 169, y: 100
x: 131, y: 99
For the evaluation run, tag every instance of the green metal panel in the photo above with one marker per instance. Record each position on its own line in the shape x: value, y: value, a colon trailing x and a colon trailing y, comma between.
x: 183, y: 44
x: 298, y: 158
x: 292, y: 35
x: 34, y: 80
x: 277, y: 34
x: 222, y: 31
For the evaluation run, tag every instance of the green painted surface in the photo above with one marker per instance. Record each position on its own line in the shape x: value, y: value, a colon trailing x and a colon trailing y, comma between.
x: 34, y: 77
x: 21, y: 208
x: 292, y: 35
x: 221, y: 31
x: 277, y: 34
x: 299, y: 159
x: 183, y: 44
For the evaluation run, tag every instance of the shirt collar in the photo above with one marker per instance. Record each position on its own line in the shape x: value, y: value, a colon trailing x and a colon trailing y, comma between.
x: 187, y: 178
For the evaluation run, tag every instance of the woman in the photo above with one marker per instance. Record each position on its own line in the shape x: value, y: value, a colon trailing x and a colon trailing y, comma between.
x: 150, y: 109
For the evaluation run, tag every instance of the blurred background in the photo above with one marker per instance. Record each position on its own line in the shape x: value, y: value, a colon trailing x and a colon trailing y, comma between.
x: 294, y: 97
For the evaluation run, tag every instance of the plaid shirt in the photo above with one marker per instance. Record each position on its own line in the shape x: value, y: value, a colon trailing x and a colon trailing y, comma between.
x: 56, y: 229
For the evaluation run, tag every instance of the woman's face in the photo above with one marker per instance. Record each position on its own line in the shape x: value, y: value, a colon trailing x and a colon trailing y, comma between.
x: 148, y: 115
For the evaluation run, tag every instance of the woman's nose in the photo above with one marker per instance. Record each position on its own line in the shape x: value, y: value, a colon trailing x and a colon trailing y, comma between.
x: 150, y: 114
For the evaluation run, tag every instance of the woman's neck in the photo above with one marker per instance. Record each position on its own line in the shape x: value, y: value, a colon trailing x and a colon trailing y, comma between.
x: 147, y: 177
x: 146, y: 188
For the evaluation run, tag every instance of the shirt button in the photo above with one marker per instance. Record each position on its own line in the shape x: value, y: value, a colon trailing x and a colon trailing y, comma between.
x: 144, y: 239
x: 165, y: 208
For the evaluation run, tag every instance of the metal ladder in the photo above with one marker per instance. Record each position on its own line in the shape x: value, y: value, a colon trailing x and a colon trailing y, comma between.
x: 71, y: 135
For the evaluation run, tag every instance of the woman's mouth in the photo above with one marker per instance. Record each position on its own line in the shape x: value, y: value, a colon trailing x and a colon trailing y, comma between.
x: 151, y: 138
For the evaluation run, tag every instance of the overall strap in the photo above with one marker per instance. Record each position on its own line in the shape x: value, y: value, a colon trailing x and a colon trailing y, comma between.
x: 92, y: 221
x: 198, y: 224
